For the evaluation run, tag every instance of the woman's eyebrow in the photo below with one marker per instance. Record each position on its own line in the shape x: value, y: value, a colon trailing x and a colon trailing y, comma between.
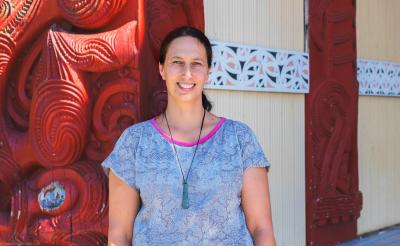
x: 180, y: 58
x: 176, y: 57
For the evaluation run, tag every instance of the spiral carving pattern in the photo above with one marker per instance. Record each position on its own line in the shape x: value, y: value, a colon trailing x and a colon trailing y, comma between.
x: 84, y: 52
x: 107, y: 130
x: 330, y: 140
x: 22, y: 12
x: 20, y: 93
x: 93, y: 200
x: 5, y: 10
x: 98, y: 52
x: 90, y: 13
x: 331, y: 105
x: 58, y: 122
x: 7, y: 49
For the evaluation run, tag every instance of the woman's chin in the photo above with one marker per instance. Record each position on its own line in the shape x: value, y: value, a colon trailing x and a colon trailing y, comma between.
x: 187, y: 97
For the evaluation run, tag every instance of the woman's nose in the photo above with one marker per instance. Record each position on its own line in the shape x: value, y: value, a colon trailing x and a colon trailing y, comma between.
x: 187, y: 71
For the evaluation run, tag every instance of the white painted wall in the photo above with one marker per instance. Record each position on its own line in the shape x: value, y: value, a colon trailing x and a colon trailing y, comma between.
x: 378, y: 38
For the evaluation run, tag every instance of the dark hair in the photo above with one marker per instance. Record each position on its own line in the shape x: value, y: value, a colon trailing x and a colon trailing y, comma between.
x: 186, y: 31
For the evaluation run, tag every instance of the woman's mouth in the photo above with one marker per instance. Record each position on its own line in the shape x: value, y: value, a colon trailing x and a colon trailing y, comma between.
x: 186, y: 86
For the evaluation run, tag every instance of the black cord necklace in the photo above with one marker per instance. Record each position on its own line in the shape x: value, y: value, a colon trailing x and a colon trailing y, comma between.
x: 185, y: 192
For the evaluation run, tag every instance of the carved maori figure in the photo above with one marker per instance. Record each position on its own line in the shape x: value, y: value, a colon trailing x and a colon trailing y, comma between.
x: 69, y: 85
x: 64, y: 100
x: 333, y: 199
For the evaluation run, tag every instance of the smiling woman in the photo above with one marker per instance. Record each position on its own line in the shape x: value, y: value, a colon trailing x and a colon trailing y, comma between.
x: 188, y: 176
x: 191, y: 55
x: 185, y: 70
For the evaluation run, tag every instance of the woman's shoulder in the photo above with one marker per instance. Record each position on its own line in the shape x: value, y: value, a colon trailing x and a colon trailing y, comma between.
x: 138, y: 126
x: 237, y: 125
x: 136, y: 130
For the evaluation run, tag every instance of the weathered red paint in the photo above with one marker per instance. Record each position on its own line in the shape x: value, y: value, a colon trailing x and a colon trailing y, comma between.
x: 73, y: 75
x: 333, y: 198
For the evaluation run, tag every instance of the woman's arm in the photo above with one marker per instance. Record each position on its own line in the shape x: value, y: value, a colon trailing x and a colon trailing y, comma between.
x: 124, y: 204
x: 256, y: 206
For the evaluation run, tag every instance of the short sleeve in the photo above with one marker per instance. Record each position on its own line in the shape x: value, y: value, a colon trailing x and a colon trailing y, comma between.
x: 122, y: 159
x: 251, y: 150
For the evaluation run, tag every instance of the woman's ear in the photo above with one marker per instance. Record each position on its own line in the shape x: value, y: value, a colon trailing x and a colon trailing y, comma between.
x: 161, y: 70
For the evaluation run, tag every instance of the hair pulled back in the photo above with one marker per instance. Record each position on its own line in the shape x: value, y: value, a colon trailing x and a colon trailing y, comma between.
x: 186, y: 31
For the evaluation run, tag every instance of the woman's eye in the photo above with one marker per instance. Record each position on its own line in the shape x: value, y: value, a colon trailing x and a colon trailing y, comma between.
x: 177, y: 62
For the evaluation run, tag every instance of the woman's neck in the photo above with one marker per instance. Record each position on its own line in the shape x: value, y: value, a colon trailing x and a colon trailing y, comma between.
x: 186, y: 117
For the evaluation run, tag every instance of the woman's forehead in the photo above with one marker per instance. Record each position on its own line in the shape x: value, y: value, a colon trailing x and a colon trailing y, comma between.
x: 186, y: 47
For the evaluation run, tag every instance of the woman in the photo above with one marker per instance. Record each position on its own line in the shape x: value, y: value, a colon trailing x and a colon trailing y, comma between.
x: 188, y: 177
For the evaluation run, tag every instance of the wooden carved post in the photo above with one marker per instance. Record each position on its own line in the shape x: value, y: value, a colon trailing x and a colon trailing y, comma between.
x: 333, y: 199
x: 64, y: 100
x: 73, y: 75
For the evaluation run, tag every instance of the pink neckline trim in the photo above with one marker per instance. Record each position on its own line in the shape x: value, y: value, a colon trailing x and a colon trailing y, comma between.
x: 188, y: 144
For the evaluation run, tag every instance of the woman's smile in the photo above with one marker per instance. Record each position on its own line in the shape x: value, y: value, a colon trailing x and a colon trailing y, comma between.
x: 186, y: 86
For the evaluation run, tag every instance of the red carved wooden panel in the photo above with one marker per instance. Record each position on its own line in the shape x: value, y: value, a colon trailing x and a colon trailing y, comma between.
x: 333, y: 198
x: 73, y: 75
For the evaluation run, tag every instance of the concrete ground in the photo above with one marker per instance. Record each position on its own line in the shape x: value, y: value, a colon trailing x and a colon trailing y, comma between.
x: 386, y: 237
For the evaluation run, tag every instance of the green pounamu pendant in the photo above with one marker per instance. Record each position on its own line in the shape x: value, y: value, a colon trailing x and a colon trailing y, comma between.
x: 185, y: 195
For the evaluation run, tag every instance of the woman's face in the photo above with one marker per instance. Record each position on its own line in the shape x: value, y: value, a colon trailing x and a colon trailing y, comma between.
x: 185, y: 69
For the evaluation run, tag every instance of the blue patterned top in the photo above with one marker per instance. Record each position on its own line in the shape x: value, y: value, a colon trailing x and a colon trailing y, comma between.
x: 143, y: 157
